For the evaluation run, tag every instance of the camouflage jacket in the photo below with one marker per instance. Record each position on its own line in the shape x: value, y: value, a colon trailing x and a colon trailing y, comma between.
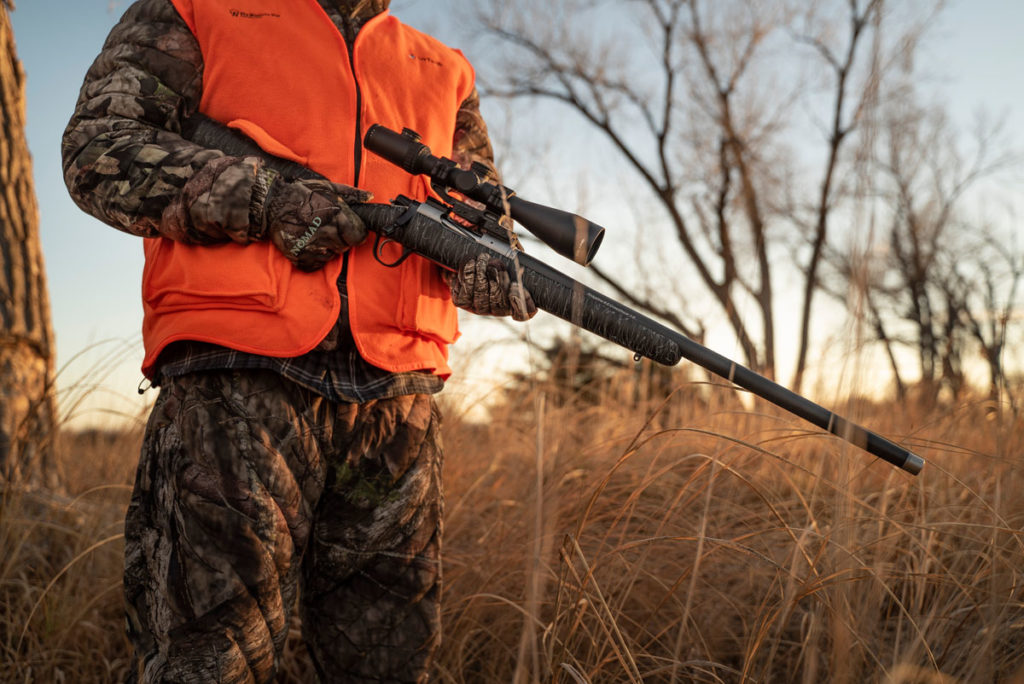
x: 126, y: 163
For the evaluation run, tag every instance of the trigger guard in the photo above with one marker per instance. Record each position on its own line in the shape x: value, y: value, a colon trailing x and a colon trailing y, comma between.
x: 378, y: 251
x: 384, y: 237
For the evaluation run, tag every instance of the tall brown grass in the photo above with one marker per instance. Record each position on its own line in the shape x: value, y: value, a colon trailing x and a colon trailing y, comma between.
x: 598, y: 537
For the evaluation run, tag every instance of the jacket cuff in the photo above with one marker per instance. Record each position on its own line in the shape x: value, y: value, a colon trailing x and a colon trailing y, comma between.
x: 262, y: 189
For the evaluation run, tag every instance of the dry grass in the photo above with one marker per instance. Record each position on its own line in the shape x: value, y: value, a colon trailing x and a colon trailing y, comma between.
x: 60, y: 584
x: 596, y: 538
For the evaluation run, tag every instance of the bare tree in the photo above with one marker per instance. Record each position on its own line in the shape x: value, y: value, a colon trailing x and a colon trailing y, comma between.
x: 999, y: 270
x: 940, y: 284
x: 856, y: 62
x: 644, y: 121
x: 710, y: 104
x: 27, y: 411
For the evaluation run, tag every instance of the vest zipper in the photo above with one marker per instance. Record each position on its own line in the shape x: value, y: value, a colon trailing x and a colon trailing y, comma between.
x: 357, y: 155
x: 359, y: 123
x: 351, y: 45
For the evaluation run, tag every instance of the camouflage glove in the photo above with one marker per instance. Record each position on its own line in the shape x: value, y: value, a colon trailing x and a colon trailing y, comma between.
x: 481, y: 285
x: 308, y: 220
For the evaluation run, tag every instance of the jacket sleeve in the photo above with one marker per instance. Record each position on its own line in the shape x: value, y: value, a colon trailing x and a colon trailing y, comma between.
x: 124, y: 158
x: 471, y: 142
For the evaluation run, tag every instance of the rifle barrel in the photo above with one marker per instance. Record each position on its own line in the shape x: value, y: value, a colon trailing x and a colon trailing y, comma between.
x: 798, y: 405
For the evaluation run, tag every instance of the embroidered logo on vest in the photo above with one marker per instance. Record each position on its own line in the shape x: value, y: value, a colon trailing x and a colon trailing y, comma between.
x: 425, y: 59
x: 242, y: 14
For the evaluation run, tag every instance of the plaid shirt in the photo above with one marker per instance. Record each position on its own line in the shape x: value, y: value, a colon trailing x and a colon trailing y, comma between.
x: 340, y: 376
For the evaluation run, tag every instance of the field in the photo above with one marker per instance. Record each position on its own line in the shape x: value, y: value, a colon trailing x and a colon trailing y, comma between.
x: 600, y: 537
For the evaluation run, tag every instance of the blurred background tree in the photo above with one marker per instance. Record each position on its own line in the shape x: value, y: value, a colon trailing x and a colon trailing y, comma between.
x: 27, y: 408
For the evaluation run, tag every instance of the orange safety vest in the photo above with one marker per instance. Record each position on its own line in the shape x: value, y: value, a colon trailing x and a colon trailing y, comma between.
x: 282, y: 73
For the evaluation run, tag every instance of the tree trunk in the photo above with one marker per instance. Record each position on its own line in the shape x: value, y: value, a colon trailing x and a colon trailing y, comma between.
x: 27, y: 406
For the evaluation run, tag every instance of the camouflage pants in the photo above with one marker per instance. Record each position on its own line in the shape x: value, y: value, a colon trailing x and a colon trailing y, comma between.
x: 250, y: 487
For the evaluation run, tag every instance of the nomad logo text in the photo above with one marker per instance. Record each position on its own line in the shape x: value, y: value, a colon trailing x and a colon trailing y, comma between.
x: 306, y: 237
x: 242, y: 14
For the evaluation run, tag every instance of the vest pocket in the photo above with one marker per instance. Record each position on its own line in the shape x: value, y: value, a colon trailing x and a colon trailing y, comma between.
x: 425, y: 306
x: 180, y: 277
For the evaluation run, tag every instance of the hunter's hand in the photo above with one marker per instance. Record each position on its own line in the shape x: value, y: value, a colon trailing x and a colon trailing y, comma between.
x: 309, y: 220
x: 482, y: 286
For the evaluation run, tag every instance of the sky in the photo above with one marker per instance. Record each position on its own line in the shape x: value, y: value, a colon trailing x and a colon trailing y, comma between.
x: 94, y: 271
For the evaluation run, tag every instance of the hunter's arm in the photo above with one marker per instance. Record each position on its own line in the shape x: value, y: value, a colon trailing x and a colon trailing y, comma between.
x: 471, y: 142
x: 125, y: 161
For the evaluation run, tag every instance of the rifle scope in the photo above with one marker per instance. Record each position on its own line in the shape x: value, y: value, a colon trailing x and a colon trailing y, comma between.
x: 571, y: 235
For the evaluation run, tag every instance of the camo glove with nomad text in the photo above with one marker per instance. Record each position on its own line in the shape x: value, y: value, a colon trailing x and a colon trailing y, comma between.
x: 481, y: 285
x: 308, y: 220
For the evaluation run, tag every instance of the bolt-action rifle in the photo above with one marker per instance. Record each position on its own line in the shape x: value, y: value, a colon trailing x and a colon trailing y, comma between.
x: 451, y: 230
